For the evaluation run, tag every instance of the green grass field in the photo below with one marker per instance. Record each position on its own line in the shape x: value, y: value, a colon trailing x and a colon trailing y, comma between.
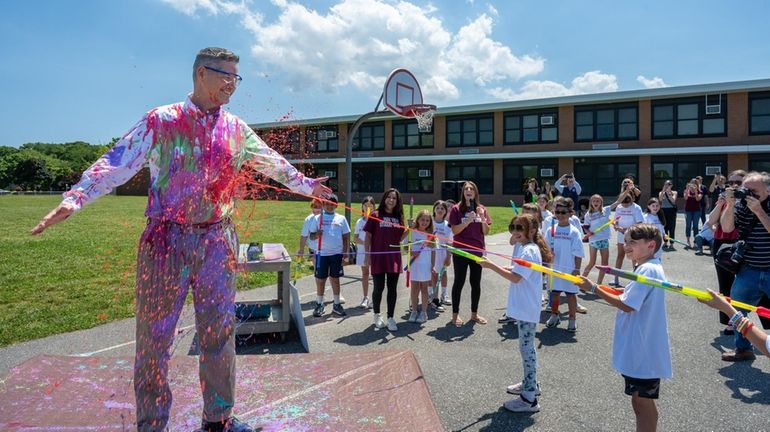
x: 81, y: 273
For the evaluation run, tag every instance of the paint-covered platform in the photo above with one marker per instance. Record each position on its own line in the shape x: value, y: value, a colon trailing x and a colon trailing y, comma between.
x: 361, y: 391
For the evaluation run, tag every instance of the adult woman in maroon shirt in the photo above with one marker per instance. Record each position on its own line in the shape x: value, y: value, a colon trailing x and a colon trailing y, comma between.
x: 692, y: 197
x: 470, y: 223
x: 384, y: 232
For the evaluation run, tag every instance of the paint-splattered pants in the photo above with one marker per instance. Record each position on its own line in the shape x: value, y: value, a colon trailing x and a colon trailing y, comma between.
x: 172, y: 259
x: 528, y: 357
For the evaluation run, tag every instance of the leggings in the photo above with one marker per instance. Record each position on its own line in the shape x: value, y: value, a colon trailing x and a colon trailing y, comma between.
x: 461, y: 265
x: 670, y: 227
x: 528, y: 357
x: 379, y: 287
x: 724, y: 278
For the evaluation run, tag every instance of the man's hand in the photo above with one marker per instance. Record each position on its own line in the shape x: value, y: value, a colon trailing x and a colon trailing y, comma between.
x: 754, y: 205
x: 321, y: 190
x: 55, y: 216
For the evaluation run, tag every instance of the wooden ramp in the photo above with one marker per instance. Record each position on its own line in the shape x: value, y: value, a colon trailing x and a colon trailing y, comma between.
x: 347, y: 391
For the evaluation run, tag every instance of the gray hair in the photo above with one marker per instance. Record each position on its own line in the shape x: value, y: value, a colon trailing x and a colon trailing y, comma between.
x: 211, y: 56
x: 763, y: 176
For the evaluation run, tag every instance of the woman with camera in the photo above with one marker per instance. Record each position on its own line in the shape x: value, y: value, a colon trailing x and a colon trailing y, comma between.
x: 692, y: 199
x: 667, y: 198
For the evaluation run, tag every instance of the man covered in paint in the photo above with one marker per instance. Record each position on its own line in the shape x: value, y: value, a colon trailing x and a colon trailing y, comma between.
x: 195, y: 150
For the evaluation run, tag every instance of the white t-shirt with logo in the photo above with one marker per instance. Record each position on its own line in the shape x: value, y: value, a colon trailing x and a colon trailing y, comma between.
x: 595, y: 220
x: 640, y: 347
x: 627, y: 216
x: 334, y: 227
x: 524, y: 296
x: 307, y: 227
x: 567, y: 244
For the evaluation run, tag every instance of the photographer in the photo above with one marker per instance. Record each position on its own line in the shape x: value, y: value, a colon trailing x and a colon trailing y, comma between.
x: 717, y: 187
x: 667, y: 198
x: 568, y: 187
x: 747, y: 210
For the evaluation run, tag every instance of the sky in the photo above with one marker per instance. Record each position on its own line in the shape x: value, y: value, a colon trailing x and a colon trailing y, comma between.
x: 87, y: 70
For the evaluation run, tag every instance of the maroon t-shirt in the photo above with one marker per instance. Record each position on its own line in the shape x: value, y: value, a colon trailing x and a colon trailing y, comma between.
x: 384, y: 234
x: 472, y: 234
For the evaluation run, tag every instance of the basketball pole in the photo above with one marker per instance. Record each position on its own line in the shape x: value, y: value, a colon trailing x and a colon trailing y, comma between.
x: 349, y: 157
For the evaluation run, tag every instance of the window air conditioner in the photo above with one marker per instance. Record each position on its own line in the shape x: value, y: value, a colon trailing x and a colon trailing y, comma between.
x: 546, y: 172
x: 713, y: 109
x: 326, y: 134
x: 423, y: 173
x: 713, y: 170
x: 330, y: 174
x: 546, y: 120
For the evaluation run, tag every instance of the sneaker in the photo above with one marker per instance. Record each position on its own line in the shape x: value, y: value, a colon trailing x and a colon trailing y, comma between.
x: 738, y: 355
x: 506, y: 319
x: 338, y: 310
x: 446, y: 301
x: 436, y: 305
x: 572, y: 326
x: 518, y: 388
x: 392, y: 325
x: 422, y: 317
x: 365, y: 303
x: 377, y: 321
x: 553, y: 321
x: 581, y: 309
x: 412, y: 317
x: 547, y: 308
x: 522, y: 405
x: 319, y: 310
x: 231, y: 425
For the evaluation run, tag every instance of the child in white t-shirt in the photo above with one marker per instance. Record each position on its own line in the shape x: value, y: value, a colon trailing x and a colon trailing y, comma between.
x: 443, y: 233
x: 312, y: 245
x: 367, y: 206
x: 654, y: 216
x: 333, y: 234
x: 640, y: 347
x: 524, y: 304
x: 568, y: 256
x: 421, y: 265
x: 626, y: 214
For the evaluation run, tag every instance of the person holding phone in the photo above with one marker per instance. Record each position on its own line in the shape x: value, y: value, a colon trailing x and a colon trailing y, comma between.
x: 568, y: 187
x: 667, y: 198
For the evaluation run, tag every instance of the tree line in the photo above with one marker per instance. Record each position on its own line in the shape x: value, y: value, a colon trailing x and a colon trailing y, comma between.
x: 47, y: 166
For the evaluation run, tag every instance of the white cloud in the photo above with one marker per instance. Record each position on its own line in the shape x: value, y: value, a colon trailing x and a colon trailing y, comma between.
x: 589, y: 82
x: 656, y: 82
x: 358, y: 42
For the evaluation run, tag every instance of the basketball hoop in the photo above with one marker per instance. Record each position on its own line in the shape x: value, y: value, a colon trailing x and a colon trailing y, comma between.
x: 423, y: 113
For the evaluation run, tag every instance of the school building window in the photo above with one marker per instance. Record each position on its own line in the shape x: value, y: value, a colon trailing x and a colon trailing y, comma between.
x: 516, y: 173
x: 681, y: 169
x: 413, y: 177
x: 324, y: 170
x: 321, y: 140
x: 759, y: 113
x: 700, y: 116
x: 606, y: 123
x: 281, y: 140
x: 603, y: 176
x: 470, y: 131
x: 407, y: 136
x: 370, y: 137
x: 759, y: 162
x: 368, y: 178
x: 530, y: 127
x: 480, y: 172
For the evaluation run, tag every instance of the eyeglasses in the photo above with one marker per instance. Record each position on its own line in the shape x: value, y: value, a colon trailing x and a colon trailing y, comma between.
x: 230, y: 77
x: 516, y: 227
x: 563, y: 212
x: 735, y: 182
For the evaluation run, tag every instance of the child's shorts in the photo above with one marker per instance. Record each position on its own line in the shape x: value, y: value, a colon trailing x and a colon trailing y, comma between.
x: 329, y: 266
x: 646, y: 388
x: 600, y: 244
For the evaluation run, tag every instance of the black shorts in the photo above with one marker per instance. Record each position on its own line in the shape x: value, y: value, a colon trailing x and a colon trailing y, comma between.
x: 646, y: 388
x: 329, y: 266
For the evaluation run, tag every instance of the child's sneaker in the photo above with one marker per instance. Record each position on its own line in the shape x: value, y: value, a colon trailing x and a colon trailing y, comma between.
x: 518, y: 388
x: 581, y: 309
x: 553, y: 321
x: 446, y: 301
x: 422, y: 317
x: 319, y: 310
x: 338, y: 310
x: 436, y: 304
x: 522, y: 405
x: 377, y: 321
x: 392, y: 325
x: 365, y: 303
x: 412, y: 316
x: 572, y: 326
x: 506, y: 319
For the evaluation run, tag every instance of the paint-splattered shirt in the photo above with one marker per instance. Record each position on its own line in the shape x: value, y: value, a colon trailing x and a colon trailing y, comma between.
x: 194, y: 158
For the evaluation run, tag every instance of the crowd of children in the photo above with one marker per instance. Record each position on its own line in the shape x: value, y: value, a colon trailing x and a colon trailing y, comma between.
x: 546, y: 231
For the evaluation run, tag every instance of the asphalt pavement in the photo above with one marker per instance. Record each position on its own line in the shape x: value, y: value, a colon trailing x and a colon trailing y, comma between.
x: 468, y: 368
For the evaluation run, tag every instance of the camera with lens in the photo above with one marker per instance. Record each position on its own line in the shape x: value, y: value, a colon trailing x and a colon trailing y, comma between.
x: 742, y: 193
x: 739, y: 250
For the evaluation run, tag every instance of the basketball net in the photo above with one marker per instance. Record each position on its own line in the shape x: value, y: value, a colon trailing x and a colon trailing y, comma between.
x: 423, y: 113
